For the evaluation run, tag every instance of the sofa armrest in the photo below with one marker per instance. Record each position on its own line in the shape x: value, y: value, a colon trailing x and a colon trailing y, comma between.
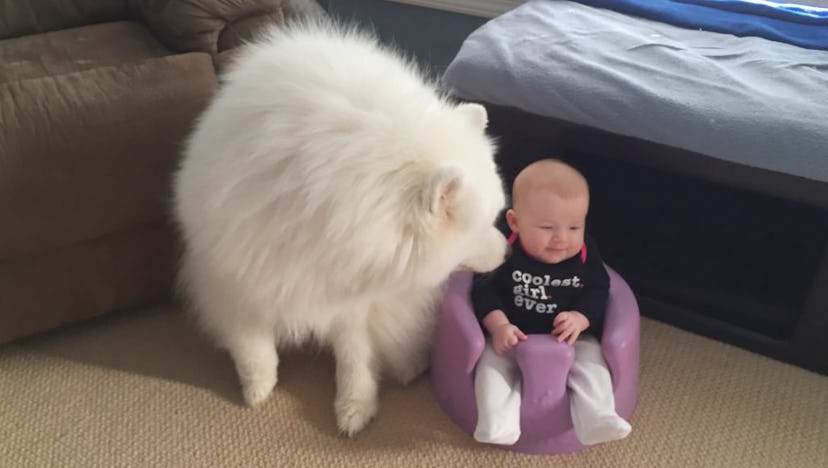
x: 215, y: 26
x: 621, y: 342
x: 458, y: 344
x: 458, y: 328
x: 20, y: 18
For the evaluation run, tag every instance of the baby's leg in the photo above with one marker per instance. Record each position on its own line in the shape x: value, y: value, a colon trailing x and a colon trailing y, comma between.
x: 497, y: 389
x: 591, y: 400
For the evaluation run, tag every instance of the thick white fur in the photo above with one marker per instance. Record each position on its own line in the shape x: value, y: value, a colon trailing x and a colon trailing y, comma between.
x: 327, y: 193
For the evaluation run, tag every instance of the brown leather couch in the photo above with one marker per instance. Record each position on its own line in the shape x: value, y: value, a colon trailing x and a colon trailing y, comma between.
x: 95, y: 99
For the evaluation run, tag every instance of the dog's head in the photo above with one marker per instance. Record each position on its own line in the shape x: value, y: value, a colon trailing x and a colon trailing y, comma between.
x: 458, y: 198
x: 419, y: 202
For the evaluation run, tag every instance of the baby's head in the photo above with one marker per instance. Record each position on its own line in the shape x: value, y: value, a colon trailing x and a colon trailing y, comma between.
x: 550, y: 200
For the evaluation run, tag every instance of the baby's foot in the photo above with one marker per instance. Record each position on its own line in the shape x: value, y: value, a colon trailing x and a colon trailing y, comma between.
x: 606, y: 428
x: 497, y: 437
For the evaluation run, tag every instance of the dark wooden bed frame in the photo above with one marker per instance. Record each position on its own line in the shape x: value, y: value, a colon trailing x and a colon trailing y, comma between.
x: 731, y: 252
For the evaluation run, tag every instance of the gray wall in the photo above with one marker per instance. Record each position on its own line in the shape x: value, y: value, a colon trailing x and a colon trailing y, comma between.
x: 433, y: 36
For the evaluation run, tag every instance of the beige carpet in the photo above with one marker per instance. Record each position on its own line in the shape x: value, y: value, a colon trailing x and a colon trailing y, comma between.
x: 140, y: 389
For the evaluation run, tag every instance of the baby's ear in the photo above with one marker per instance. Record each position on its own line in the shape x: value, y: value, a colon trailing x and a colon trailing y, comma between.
x: 475, y: 113
x: 511, y: 220
x: 441, y: 189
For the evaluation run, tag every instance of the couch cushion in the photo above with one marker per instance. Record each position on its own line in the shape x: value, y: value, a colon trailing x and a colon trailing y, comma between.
x: 78, y: 281
x: 89, y: 153
x: 76, y: 49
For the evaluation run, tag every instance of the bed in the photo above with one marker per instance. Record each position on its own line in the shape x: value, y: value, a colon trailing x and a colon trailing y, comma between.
x: 704, y: 121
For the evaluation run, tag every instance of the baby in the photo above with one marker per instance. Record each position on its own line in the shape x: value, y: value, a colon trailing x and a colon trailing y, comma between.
x: 554, y: 282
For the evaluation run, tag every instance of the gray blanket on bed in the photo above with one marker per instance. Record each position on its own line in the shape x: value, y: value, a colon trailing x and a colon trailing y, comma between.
x: 742, y: 99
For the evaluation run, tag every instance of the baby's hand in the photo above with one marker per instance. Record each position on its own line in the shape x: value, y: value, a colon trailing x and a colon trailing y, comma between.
x: 506, y: 337
x: 569, y: 325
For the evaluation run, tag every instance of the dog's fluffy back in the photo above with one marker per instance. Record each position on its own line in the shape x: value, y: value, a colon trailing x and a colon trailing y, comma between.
x: 314, y: 155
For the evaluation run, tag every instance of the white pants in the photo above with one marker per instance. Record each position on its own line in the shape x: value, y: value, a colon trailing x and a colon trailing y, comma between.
x: 497, y: 387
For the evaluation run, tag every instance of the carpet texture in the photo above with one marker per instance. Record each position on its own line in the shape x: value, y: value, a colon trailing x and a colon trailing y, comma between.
x: 142, y: 389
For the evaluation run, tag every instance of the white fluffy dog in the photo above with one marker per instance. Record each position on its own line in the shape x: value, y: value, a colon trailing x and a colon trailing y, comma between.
x: 327, y: 193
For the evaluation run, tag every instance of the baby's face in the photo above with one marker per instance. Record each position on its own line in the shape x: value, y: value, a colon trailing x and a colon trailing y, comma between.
x: 550, y: 228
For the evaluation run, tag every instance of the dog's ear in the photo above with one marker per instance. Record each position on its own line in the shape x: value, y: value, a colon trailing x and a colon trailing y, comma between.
x: 475, y: 113
x: 442, y: 188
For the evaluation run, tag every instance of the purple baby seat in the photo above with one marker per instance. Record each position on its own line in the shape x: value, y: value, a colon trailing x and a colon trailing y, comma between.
x: 546, y: 425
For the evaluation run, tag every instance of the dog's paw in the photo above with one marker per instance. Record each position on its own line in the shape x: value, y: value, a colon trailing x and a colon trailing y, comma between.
x: 256, y: 391
x: 353, y: 415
